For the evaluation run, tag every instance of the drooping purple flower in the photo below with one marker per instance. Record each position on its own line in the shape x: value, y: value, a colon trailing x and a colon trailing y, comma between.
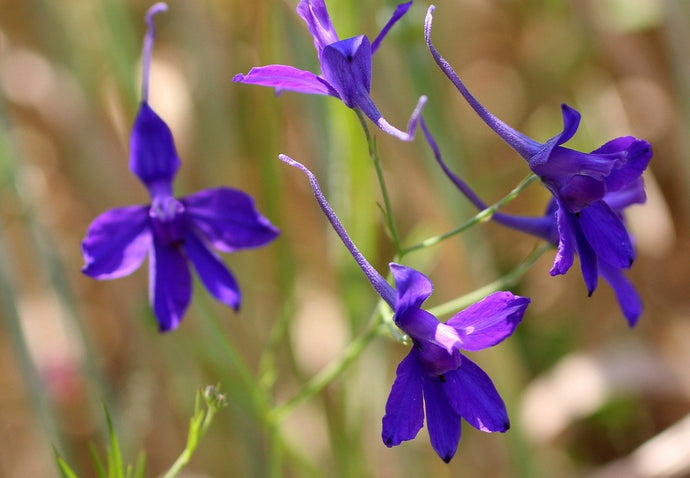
x: 578, y: 181
x: 591, y: 232
x: 345, y: 68
x: 172, y: 231
x: 435, y: 377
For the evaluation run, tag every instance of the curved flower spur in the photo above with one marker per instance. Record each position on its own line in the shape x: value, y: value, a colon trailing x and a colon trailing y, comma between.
x: 172, y: 231
x: 345, y: 68
x: 579, y: 182
x: 435, y: 375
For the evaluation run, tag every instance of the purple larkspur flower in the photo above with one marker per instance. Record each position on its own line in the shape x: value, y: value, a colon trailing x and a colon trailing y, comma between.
x: 172, y: 231
x: 345, y: 68
x: 586, y: 230
x: 578, y: 181
x: 435, y: 376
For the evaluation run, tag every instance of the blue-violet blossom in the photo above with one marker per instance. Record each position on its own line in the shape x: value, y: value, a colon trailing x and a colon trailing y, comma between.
x: 345, y: 68
x: 435, y: 375
x: 547, y: 227
x: 172, y: 231
x: 578, y: 181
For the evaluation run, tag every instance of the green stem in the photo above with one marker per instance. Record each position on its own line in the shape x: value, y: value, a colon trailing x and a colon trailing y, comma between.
x: 502, y: 283
x: 187, y: 453
x: 331, y: 371
x: 374, y: 154
x: 482, y: 216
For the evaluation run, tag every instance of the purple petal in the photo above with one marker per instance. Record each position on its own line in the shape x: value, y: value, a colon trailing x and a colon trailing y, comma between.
x: 412, y: 287
x: 631, y: 194
x: 228, y: 219
x: 152, y: 155
x: 588, y: 261
x: 490, y: 321
x: 442, y: 422
x: 634, y: 156
x: 116, y: 243
x: 581, y: 191
x: 628, y: 298
x: 213, y: 273
x: 472, y: 394
x: 170, y: 285
x: 397, y: 15
x: 566, y: 243
x: 607, y: 235
x: 284, y: 77
x: 571, y: 121
x: 346, y: 65
x: 438, y: 341
x: 373, y: 114
x: 404, y: 411
x: 315, y: 14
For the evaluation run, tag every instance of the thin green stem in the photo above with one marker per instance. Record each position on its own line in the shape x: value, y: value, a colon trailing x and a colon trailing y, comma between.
x: 374, y: 154
x: 331, y: 371
x: 504, y: 282
x: 187, y: 453
x: 482, y: 216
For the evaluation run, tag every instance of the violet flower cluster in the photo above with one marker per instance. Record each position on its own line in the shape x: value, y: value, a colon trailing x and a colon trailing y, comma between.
x: 172, y: 232
x: 435, y: 380
x: 345, y: 68
x: 435, y: 376
x: 590, y: 191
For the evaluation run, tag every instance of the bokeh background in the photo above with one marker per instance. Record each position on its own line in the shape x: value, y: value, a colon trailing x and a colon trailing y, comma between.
x: 587, y: 395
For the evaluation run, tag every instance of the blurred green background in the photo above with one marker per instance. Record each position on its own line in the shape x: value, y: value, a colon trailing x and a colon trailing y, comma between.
x: 587, y: 396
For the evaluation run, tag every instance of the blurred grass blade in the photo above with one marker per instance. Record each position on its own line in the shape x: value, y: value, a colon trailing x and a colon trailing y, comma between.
x: 115, y: 467
x: 97, y: 462
x: 65, y: 470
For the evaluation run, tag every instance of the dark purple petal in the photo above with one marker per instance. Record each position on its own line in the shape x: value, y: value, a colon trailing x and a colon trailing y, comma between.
x: 213, y: 273
x: 116, y: 243
x: 404, y: 409
x: 438, y: 358
x: 581, y: 191
x: 412, y: 287
x: 284, y: 77
x: 170, y: 285
x: 566, y: 243
x: 631, y: 194
x: 489, y: 321
x: 397, y: 15
x: 228, y: 219
x: 588, y: 260
x: 315, y: 14
x: 571, y: 121
x: 472, y: 394
x: 346, y: 65
x: 442, y: 422
x: 628, y: 298
x: 633, y: 157
x: 607, y: 235
x: 152, y: 155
